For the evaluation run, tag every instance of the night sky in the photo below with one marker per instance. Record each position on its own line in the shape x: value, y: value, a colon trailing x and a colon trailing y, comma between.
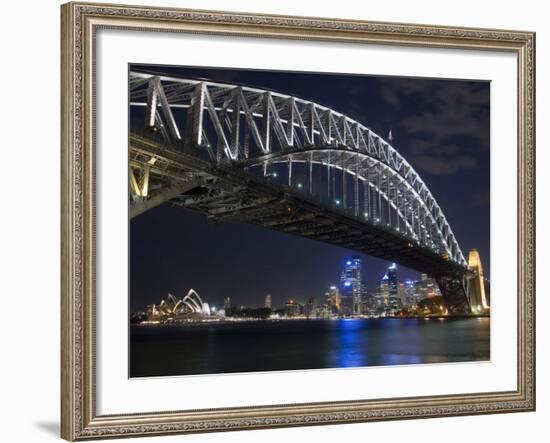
x: 442, y: 127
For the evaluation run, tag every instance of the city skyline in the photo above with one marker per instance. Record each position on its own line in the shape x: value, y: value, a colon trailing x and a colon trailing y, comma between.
x: 390, y: 293
x: 182, y: 251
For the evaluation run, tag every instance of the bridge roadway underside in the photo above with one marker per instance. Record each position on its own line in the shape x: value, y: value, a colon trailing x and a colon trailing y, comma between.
x: 296, y: 215
x: 231, y: 195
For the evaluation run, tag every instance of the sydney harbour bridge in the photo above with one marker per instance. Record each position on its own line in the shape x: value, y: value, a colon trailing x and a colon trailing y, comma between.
x: 244, y: 155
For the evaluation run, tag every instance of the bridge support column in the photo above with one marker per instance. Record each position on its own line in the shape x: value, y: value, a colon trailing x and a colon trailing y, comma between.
x: 455, y: 290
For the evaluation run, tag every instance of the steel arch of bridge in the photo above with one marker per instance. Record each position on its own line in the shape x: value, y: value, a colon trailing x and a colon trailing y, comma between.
x: 262, y: 131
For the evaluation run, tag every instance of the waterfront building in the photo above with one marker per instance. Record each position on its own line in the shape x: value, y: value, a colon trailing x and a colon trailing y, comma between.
x: 364, y: 297
x: 172, y: 308
x: 403, y: 302
x: 323, y: 311
x: 352, y: 286
x: 309, y: 307
x: 152, y: 312
x: 292, y: 308
x: 422, y: 287
x: 428, y: 287
x: 227, y: 303
x: 267, y: 301
x: 432, y: 288
x: 369, y: 303
x: 334, y: 300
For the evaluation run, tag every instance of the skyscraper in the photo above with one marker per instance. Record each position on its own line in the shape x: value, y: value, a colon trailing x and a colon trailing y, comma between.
x: 428, y: 287
x: 309, y: 307
x: 334, y: 300
x: 393, y: 292
x: 402, y: 294
x: 382, y: 296
x: 351, y: 286
x: 267, y: 301
x: 412, y: 296
x: 229, y: 310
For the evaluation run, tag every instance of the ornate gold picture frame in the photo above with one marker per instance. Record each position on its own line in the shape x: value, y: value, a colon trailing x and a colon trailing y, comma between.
x: 80, y: 22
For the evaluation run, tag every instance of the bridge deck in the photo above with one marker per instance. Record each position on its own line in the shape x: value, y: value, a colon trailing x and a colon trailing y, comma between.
x: 227, y: 194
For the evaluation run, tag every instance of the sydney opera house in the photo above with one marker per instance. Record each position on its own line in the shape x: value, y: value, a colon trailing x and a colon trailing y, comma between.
x: 190, y: 307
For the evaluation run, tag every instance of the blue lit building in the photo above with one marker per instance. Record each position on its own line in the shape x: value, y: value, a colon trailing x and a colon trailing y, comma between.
x: 388, y: 296
x: 410, y: 296
x: 351, y: 287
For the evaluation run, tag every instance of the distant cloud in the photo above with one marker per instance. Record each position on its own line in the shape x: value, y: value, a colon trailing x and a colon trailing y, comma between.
x: 390, y: 96
x: 450, y: 121
x: 444, y: 165
x: 444, y: 159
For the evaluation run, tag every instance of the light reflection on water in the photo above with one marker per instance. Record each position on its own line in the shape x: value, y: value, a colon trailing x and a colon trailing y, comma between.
x: 349, y: 354
x: 307, y: 344
x: 354, y: 347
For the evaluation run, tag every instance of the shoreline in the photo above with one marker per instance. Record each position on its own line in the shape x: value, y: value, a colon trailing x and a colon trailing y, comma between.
x: 274, y: 320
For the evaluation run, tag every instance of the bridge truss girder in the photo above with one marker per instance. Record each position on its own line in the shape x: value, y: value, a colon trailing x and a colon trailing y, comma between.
x: 214, y: 148
x: 237, y: 124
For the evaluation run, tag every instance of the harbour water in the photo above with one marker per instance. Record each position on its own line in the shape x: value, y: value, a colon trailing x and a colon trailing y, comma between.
x: 249, y: 346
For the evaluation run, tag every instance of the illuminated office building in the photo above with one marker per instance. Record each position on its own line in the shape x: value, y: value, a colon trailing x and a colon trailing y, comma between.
x: 382, y: 295
x: 352, y: 287
x: 267, y: 301
x: 292, y: 308
x: 334, y: 300
x: 393, y: 293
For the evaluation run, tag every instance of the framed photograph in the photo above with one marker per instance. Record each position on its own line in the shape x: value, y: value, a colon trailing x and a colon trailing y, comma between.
x: 283, y: 221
